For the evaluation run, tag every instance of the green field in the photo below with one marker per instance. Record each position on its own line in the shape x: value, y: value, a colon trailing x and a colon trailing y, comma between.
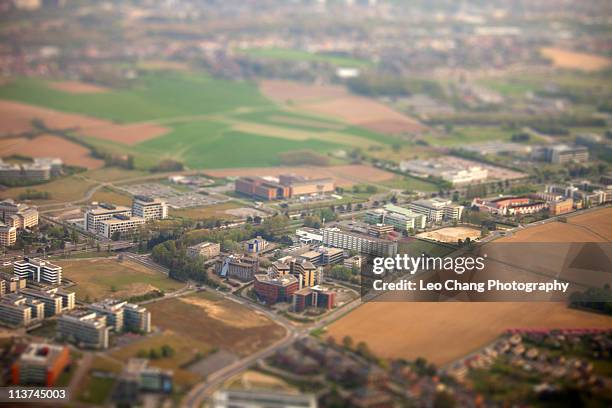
x: 470, y: 134
x: 286, y: 54
x: 213, y: 123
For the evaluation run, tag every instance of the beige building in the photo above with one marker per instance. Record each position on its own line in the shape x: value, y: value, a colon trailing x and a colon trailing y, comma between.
x: 124, y: 225
x: 205, y: 249
x: 84, y: 328
x: 103, y: 212
x: 8, y: 235
x: 18, y: 215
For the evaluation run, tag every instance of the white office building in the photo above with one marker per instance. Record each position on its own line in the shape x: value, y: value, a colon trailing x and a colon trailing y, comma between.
x: 38, y: 270
x: 95, y: 216
x: 149, y: 208
x: 437, y: 209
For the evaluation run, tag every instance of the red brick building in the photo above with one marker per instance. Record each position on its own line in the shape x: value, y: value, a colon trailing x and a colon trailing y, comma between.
x: 275, y: 289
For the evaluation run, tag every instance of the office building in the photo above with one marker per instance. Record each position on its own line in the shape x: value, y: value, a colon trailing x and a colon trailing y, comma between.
x: 38, y: 270
x: 361, y: 243
x: 113, y: 310
x: 512, y: 205
x: 123, y: 225
x: 255, y: 245
x: 56, y: 300
x: 238, y: 266
x: 309, y: 235
x: 323, y: 256
x: 103, y: 212
x: 380, y: 230
x: 353, y: 262
x: 18, y: 215
x: 84, y: 328
x: 8, y: 235
x: 562, y: 206
x: 261, y: 399
x: 286, y: 186
x: 137, y: 377
x: 39, y: 169
x: 272, y: 289
x: 11, y: 283
x: 206, y: 250
x: 136, y: 318
x: 149, y: 208
x: 458, y: 172
x: 401, y: 219
x: 315, y: 296
x: 437, y: 209
x: 40, y: 364
x: 561, y: 154
x: 14, y: 312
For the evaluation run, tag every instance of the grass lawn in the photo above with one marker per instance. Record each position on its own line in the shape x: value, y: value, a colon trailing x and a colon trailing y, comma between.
x: 410, y: 183
x: 286, y: 54
x: 470, y: 134
x: 210, y: 319
x: 109, y: 195
x: 64, y: 189
x: 96, y: 390
x: 211, y: 211
x: 101, y: 278
x: 186, y: 349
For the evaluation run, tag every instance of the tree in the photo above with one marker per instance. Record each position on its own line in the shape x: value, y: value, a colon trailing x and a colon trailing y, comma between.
x: 116, y: 236
x: 347, y: 342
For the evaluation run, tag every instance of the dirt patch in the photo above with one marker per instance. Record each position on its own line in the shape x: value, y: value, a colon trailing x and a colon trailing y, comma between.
x: 423, y: 329
x: 76, y: 87
x: 16, y: 117
x: 216, y: 311
x: 50, y: 146
x: 576, y: 60
x: 344, y: 176
x: 451, y: 234
x: 335, y: 101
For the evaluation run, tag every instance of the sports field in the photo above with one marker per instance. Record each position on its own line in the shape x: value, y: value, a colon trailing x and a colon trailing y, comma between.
x: 201, y: 121
x: 443, y: 332
x: 107, y: 277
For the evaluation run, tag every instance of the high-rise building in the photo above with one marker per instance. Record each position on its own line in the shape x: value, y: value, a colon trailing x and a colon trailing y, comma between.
x: 149, y: 208
x: 40, y: 364
x: 84, y: 328
x: 38, y: 270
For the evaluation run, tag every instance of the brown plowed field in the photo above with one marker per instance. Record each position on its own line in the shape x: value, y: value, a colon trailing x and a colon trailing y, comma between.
x: 334, y: 101
x: 16, y: 117
x: 50, y: 146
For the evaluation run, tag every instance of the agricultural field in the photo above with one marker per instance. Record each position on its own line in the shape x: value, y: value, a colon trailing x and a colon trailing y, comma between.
x: 385, y: 325
x: 107, y: 195
x: 285, y: 54
x: 100, y: 278
x: 209, y: 318
x: 410, y: 183
x: 576, y: 60
x: 192, y: 118
x: 425, y: 329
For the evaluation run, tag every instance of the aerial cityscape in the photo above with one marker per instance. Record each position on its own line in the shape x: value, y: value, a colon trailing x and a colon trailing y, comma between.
x: 194, y: 194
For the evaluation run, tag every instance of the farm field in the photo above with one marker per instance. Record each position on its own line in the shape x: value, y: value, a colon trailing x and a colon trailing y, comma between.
x: 470, y: 134
x: 207, y: 317
x: 344, y: 175
x: 576, y: 60
x: 340, y: 104
x: 189, y: 117
x: 108, y: 277
x: 425, y: 329
x: 410, y: 183
x: 49, y: 145
x: 284, y: 54
x: 410, y: 330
